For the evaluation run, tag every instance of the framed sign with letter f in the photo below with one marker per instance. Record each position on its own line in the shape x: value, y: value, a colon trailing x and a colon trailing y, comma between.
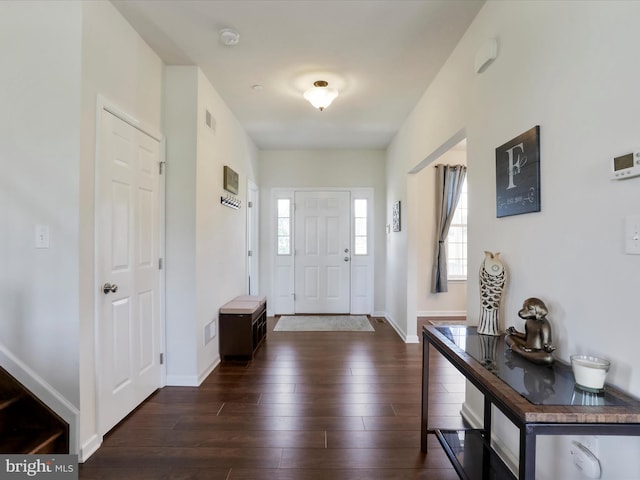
x: 518, y: 175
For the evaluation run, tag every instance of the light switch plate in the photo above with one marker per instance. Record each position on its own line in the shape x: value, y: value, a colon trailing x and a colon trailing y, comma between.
x: 42, y: 236
x: 632, y: 235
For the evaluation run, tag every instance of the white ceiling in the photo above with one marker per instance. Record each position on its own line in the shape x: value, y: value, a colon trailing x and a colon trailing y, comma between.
x: 380, y: 54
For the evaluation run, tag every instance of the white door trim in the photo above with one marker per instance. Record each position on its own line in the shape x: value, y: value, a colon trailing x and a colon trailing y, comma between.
x: 363, y: 266
x: 104, y: 104
x: 253, y: 238
x: 286, y: 306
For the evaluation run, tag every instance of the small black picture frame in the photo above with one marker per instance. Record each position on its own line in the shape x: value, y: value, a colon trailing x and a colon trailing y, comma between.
x: 518, y: 175
x: 230, y: 180
x: 396, y: 217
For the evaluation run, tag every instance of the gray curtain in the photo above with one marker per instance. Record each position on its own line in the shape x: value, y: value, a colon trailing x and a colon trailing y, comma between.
x: 449, y: 180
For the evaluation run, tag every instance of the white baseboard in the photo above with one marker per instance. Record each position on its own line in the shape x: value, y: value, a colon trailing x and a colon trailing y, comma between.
x: 501, y: 449
x: 208, y: 371
x: 90, y: 447
x: 402, y: 334
x: 505, y: 454
x: 191, y: 380
x: 182, y: 380
x: 394, y: 325
x: 471, y: 417
x: 45, y: 392
x: 444, y: 313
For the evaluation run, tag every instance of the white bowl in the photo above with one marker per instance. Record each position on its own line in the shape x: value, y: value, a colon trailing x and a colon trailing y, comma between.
x: 589, y: 372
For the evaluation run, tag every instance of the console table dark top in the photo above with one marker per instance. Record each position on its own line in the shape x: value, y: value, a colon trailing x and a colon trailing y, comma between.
x: 533, y: 393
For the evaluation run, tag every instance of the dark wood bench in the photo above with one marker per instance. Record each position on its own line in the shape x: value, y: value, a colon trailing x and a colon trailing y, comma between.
x: 243, y: 326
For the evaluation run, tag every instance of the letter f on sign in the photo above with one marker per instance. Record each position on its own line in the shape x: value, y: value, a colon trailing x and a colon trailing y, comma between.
x: 514, y: 165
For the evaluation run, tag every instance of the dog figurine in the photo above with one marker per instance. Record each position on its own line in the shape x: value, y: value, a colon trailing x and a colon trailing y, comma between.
x: 535, y: 343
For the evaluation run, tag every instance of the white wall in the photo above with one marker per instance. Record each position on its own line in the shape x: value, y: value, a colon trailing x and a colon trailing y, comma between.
x: 565, y: 66
x: 58, y: 57
x: 421, y: 211
x: 205, y: 241
x: 397, y: 295
x: 221, y: 233
x: 40, y: 155
x: 322, y: 169
x: 39, y: 158
x: 179, y: 126
x: 118, y: 65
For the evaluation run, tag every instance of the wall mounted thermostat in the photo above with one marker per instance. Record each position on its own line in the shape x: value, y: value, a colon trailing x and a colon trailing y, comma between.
x: 626, y: 166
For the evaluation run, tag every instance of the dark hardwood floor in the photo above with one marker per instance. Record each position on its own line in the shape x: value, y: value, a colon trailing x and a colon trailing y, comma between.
x: 311, y: 406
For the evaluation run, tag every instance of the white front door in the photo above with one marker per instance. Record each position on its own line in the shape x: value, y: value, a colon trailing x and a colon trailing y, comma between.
x: 127, y: 273
x: 322, y: 252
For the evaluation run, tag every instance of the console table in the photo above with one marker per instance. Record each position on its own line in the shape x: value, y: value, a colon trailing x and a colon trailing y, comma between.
x: 539, y: 400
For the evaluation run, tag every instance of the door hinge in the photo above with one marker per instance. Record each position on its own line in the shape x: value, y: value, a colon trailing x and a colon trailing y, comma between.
x: 250, y: 204
x: 249, y: 253
x: 160, y: 264
x: 294, y: 296
x: 161, y: 166
x: 162, y: 359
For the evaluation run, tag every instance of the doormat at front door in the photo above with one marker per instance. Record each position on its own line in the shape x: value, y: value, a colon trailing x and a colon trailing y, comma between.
x: 324, y: 323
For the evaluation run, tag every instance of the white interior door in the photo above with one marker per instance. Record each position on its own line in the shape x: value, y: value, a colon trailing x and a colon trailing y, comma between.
x: 322, y: 252
x: 128, y: 276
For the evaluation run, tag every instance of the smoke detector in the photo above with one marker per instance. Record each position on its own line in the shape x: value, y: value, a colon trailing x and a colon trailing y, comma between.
x: 229, y: 37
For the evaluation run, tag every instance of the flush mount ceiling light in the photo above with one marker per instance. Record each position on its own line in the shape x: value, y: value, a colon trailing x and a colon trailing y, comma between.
x: 229, y: 37
x: 321, y: 96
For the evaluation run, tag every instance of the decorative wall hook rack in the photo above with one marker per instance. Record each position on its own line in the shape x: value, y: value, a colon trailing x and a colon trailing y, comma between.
x: 231, y: 202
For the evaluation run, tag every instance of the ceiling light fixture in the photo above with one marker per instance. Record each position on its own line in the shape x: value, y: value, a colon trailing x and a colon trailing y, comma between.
x: 321, y: 96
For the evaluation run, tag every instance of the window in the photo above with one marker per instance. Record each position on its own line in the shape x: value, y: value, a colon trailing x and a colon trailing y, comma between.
x: 360, y: 226
x: 284, y: 226
x: 457, y: 240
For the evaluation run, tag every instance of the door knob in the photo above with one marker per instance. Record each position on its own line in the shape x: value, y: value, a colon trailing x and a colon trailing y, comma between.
x: 109, y: 288
x: 346, y: 259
